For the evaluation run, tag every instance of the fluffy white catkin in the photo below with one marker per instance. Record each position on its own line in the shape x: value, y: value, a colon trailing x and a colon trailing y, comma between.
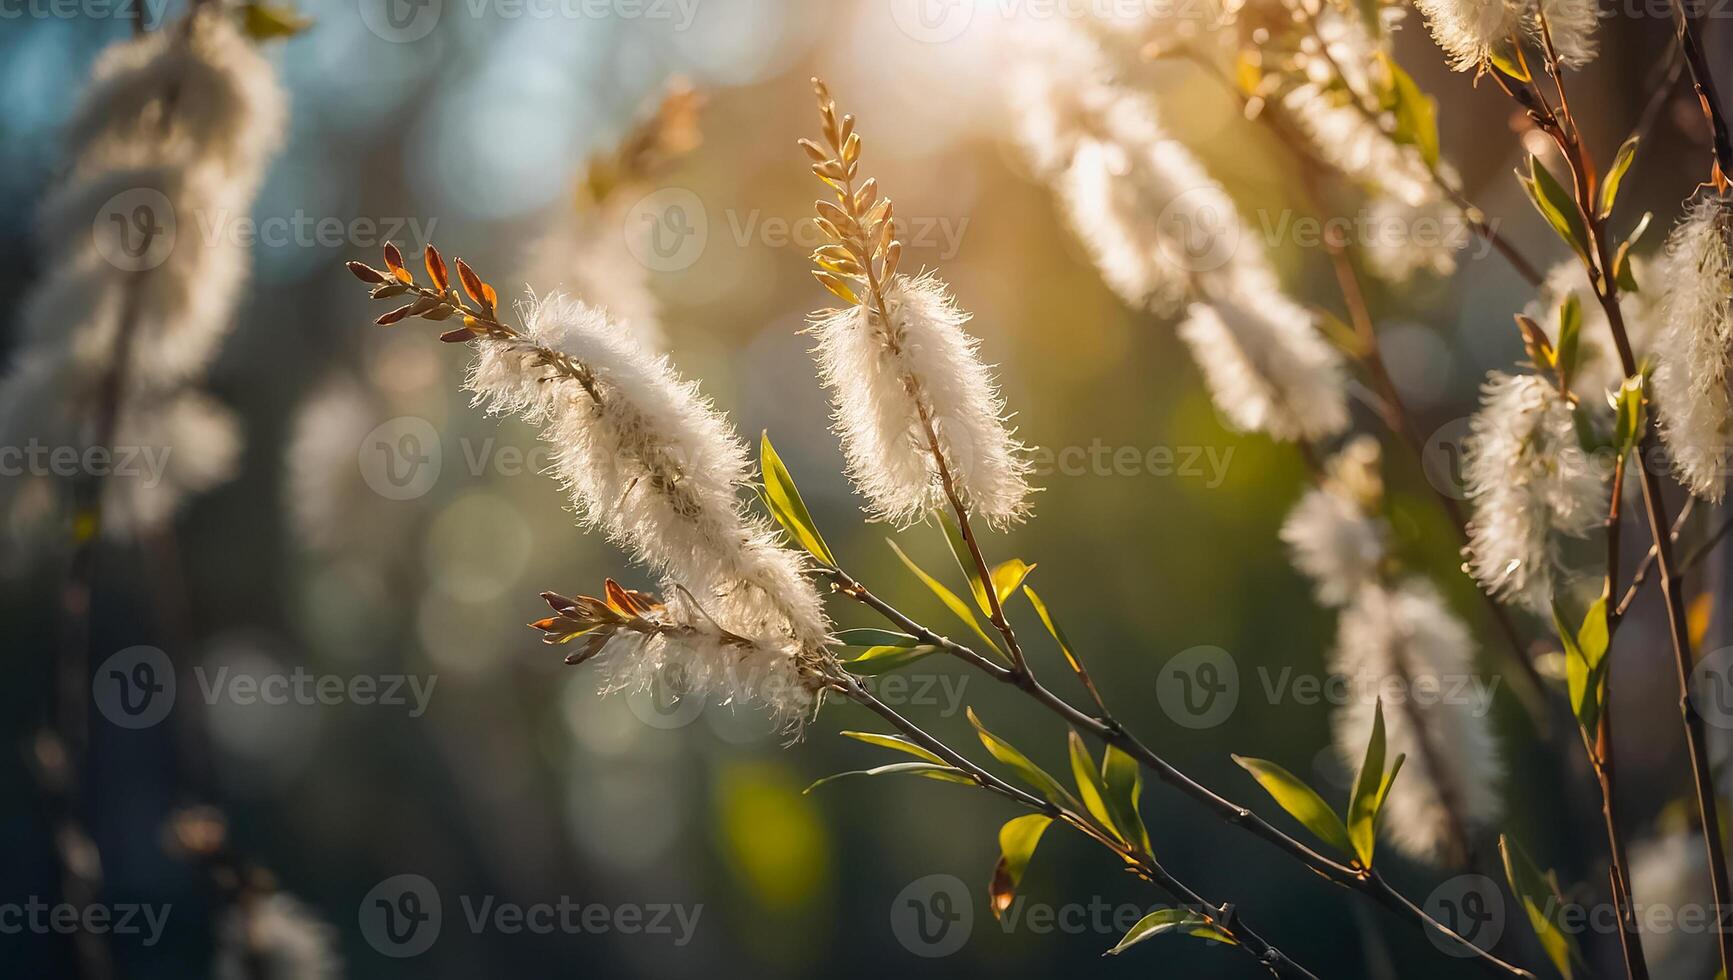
x: 1267, y: 366
x: 275, y: 936
x: 1470, y: 31
x: 1153, y: 221
x: 1598, y: 370
x: 1528, y: 482
x: 651, y: 463
x: 889, y: 379
x: 1332, y: 534
x: 1696, y: 348
x: 1404, y: 645
x: 167, y: 148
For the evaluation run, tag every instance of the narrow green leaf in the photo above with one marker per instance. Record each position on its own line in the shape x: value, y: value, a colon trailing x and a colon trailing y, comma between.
x: 1054, y: 630
x: 1008, y: 576
x: 1616, y: 174
x: 1585, y: 663
x: 1538, y: 897
x: 1622, y: 271
x: 1389, y: 781
x: 1017, y: 840
x: 1169, y: 920
x: 1089, y: 785
x: 1630, y: 415
x: 929, y: 770
x: 1505, y: 63
x: 872, y: 661
x: 1363, y: 804
x: 896, y: 742
x: 782, y: 497
x: 1026, y: 770
x: 965, y: 558
x: 957, y: 606
x: 1301, y: 801
x: 1122, y: 782
x: 1416, y: 115
x: 269, y: 21
x: 876, y: 638
x: 1570, y: 328
x: 1555, y: 204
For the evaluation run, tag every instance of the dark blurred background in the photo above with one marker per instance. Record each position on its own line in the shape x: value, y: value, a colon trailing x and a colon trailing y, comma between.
x: 517, y: 782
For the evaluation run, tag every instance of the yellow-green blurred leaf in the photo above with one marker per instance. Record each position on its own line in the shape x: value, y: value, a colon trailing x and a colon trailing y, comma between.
x: 1301, y: 801
x: 1017, y: 840
x: 783, y: 499
x: 269, y: 21
x: 957, y: 606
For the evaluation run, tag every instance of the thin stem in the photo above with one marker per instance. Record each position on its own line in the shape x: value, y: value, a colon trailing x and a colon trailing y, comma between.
x: 1224, y: 917
x: 1108, y: 730
x: 1598, y: 264
x: 1703, y: 80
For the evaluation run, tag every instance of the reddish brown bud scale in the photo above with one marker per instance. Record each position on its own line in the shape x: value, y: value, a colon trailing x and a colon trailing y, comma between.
x: 365, y: 272
x: 436, y: 268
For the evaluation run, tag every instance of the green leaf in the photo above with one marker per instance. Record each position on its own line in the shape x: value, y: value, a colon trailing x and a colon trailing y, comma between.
x: 1616, y: 174
x: 1539, y: 896
x: 1017, y: 840
x: 1089, y: 784
x: 1585, y: 662
x: 1389, y: 781
x: 269, y: 21
x: 1630, y: 415
x: 877, y: 651
x: 957, y: 606
x: 1505, y: 63
x: 1622, y: 271
x: 1556, y: 205
x: 965, y: 558
x: 896, y: 742
x: 1027, y: 771
x: 1122, y: 782
x: 1169, y: 920
x: 1363, y: 804
x: 1054, y: 630
x: 1416, y: 115
x: 1570, y: 328
x: 1301, y: 801
x: 782, y: 498
x: 929, y: 770
x: 1008, y: 576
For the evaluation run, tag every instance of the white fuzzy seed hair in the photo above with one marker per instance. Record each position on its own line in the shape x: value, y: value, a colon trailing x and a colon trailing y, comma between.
x: 1335, y: 537
x: 1153, y: 221
x: 1392, y: 643
x: 1571, y: 25
x: 888, y: 380
x: 173, y: 134
x: 1528, y: 483
x: 651, y: 462
x: 1470, y: 30
x: 1267, y: 366
x: 1694, y: 357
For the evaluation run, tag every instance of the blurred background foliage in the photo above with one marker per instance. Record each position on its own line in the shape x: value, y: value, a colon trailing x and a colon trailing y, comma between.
x: 519, y: 781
